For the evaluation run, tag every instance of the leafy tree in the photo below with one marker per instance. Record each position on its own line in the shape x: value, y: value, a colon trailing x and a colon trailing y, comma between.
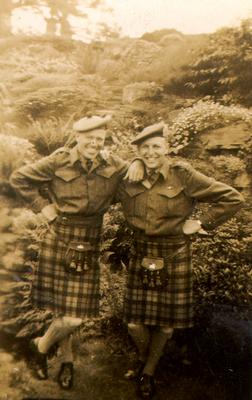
x: 59, y: 12
x: 222, y: 68
x: 5, y: 17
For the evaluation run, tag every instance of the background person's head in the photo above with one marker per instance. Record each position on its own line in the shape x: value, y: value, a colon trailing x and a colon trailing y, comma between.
x: 152, y: 146
x: 90, y: 133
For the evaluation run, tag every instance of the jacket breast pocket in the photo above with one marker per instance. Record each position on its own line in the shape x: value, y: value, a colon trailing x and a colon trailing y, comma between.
x: 67, y: 181
x: 134, y: 203
x: 173, y: 200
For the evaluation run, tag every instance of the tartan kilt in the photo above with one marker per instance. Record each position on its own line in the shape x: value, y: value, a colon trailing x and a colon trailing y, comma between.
x: 170, y: 306
x: 55, y: 289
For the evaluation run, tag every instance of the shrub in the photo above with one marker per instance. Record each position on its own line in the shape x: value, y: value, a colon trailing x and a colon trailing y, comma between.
x: 14, y: 152
x: 49, y: 135
x: 31, y: 57
x: 222, y: 271
x: 229, y: 167
x: 52, y: 102
x: 202, y: 116
x: 222, y: 67
x: 18, y: 256
x: 88, y: 59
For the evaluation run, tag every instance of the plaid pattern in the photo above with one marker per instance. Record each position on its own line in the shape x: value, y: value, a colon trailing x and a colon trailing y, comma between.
x: 171, y: 306
x: 61, y: 292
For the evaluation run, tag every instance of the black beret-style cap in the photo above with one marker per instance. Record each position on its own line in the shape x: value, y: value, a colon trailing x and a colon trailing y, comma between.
x: 87, y: 124
x: 148, y: 132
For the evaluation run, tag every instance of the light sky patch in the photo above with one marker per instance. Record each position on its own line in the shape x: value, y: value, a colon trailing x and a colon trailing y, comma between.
x: 135, y: 17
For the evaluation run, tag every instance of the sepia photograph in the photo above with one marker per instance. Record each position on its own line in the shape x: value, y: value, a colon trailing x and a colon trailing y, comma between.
x: 125, y: 199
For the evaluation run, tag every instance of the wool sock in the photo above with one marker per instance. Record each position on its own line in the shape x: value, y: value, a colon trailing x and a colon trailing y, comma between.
x: 66, y: 351
x: 158, y: 340
x: 141, y: 337
x: 57, y: 331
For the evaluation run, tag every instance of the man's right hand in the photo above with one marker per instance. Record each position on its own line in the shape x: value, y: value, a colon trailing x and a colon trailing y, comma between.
x: 49, y: 212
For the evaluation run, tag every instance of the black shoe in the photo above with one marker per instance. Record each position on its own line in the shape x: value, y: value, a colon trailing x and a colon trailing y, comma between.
x: 136, y: 371
x: 146, y: 387
x: 39, y: 361
x: 65, y: 375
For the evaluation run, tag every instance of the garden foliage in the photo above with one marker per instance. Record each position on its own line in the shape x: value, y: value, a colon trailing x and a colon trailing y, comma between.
x: 222, y: 67
x: 202, y: 116
x: 14, y: 152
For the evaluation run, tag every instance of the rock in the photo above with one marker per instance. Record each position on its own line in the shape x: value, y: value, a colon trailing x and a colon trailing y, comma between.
x: 140, y: 90
x: 229, y: 138
x: 140, y: 52
x: 171, y: 38
x: 242, y: 181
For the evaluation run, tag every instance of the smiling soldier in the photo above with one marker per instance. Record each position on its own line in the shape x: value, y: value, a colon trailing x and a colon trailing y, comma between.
x: 159, y: 283
x: 82, y: 184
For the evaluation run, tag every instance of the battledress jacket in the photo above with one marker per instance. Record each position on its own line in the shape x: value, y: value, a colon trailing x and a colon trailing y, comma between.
x: 160, y: 209
x: 73, y: 189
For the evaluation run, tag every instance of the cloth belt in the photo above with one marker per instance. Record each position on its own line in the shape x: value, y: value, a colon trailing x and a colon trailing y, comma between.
x: 140, y: 236
x: 80, y: 220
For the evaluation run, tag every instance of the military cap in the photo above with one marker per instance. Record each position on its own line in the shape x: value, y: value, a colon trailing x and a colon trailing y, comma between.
x: 148, y: 132
x: 89, y: 123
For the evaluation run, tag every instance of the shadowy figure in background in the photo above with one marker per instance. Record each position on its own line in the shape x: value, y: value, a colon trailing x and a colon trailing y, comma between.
x: 82, y: 182
x: 159, y: 292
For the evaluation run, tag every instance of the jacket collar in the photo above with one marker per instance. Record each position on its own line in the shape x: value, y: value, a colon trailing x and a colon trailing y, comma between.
x: 164, y: 169
x: 102, y: 164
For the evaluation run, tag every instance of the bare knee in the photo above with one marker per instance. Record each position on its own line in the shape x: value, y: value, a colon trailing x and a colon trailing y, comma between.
x: 167, y: 330
x: 133, y: 326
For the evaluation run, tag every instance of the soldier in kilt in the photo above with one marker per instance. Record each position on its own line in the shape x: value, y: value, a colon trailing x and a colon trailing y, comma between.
x: 82, y: 182
x: 159, y: 290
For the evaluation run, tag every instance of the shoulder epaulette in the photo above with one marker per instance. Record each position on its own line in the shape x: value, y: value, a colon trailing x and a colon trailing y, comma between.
x: 181, y: 164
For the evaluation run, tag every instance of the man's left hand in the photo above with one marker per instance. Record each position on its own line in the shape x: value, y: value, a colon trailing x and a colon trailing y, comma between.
x: 192, y: 226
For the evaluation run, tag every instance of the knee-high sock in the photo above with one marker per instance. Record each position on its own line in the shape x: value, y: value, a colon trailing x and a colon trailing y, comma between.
x: 57, y: 331
x: 141, y: 337
x: 157, y: 343
x: 66, y: 351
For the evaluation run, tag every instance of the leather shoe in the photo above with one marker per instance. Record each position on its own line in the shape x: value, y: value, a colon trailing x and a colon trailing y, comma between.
x: 146, y: 386
x: 136, y: 371
x: 65, y: 375
x: 39, y: 361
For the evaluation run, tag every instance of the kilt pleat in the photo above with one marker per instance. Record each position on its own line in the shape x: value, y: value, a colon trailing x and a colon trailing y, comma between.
x: 170, y: 306
x: 62, y: 292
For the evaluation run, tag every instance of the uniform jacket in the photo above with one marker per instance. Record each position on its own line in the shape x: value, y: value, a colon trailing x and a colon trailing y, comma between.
x: 163, y: 208
x: 73, y: 189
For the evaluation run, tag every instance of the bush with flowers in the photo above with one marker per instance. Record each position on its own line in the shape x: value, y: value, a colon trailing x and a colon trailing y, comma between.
x: 202, y: 116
